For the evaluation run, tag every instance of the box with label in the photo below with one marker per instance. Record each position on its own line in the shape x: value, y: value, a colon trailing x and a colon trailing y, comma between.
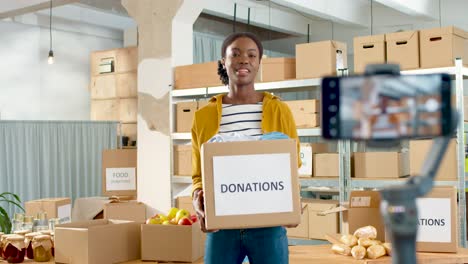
x: 380, y: 164
x: 326, y: 165
x: 125, y: 210
x: 185, y: 114
x: 305, y: 112
x: 183, y: 160
x: 419, y: 149
x: 306, y: 158
x: 440, y: 46
x: 236, y: 173
x: 184, y: 243
x: 54, y: 207
x: 368, y: 50
x: 124, y: 59
x: 318, y: 59
x: 320, y: 225
x: 185, y: 202
x: 277, y: 69
x: 119, y: 172
x: 403, y: 49
x: 302, y: 230
x: 437, y: 223
x: 197, y: 75
x: 97, y: 242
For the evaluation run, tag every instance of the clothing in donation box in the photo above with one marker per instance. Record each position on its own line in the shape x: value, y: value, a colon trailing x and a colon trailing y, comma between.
x: 250, y: 184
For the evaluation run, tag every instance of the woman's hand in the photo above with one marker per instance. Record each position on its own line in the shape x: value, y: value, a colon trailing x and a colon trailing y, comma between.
x: 199, y: 206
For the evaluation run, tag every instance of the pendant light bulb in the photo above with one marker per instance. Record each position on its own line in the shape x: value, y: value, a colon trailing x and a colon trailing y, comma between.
x: 50, y: 60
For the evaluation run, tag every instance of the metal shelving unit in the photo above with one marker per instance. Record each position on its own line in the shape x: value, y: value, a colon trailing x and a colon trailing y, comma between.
x: 344, y: 183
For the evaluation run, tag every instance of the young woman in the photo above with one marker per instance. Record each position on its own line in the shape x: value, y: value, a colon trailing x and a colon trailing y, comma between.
x: 253, y: 113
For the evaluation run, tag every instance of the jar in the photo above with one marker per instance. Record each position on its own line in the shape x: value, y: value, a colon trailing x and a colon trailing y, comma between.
x: 17, y: 223
x: 28, y: 223
x: 53, y: 222
x: 42, y: 247
x: 22, y: 232
x: 42, y: 223
x: 2, y: 245
x: 14, y: 249
x: 28, y: 244
x: 51, y: 234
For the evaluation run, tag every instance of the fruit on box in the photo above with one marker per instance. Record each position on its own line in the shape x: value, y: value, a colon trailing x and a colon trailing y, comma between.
x: 174, y: 216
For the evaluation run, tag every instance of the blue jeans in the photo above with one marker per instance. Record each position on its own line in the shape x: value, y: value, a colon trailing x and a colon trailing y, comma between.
x: 260, y: 245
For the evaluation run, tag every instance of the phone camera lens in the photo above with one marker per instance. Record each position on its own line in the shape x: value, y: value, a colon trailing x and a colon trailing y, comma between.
x: 333, y: 120
x: 332, y: 108
x: 332, y: 96
x: 333, y: 132
x: 332, y: 84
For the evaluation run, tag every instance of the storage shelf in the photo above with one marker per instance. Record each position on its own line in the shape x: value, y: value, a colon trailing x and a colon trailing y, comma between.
x: 303, y: 241
x: 378, y: 183
x: 331, y: 182
x: 280, y: 85
x: 302, y: 132
x: 181, y: 179
x: 448, y: 70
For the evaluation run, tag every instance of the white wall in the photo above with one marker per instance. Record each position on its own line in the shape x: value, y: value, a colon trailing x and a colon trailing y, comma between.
x: 30, y: 89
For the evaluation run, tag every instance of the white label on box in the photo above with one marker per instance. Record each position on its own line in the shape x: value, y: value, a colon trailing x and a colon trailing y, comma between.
x: 360, y: 201
x: 252, y: 184
x: 434, y: 223
x: 64, y: 213
x: 306, y: 159
x: 120, y: 179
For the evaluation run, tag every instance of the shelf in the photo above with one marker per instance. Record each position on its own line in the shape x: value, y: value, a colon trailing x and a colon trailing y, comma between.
x: 376, y: 183
x: 280, y: 85
x: 331, y: 182
x: 181, y: 179
x: 448, y: 70
x: 302, y: 132
x: 303, y: 241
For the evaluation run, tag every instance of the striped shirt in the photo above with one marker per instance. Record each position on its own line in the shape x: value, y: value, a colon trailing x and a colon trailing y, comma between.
x: 242, y: 118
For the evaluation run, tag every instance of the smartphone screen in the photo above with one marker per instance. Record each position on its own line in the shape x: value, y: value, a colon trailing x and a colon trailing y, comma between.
x: 383, y: 107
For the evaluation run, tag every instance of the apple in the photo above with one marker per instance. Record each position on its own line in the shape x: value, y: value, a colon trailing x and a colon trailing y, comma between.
x: 193, y: 218
x: 181, y: 214
x: 172, y: 213
x: 154, y: 221
x: 173, y: 221
x: 167, y: 222
x: 185, y: 221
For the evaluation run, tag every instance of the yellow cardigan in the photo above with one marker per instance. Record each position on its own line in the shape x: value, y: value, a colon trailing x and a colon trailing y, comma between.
x: 276, y: 117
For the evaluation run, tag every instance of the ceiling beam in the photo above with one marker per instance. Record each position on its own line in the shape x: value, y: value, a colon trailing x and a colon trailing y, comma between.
x: 425, y: 9
x: 20, y: 7
x: 355, y: 13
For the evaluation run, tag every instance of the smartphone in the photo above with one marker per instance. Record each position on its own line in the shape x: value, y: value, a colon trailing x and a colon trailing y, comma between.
x: 385, y: 107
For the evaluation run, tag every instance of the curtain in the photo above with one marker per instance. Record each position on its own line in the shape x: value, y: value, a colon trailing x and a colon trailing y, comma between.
x: 40, y: 159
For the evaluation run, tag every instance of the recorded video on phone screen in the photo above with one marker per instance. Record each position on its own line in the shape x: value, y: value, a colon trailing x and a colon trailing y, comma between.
x: 387, y: 107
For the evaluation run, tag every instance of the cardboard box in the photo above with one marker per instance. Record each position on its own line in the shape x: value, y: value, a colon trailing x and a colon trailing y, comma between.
x: 126, y: 210
x: 306, y: 158
x: 320, y: 225
x: 305, y: 112
x: 124, y: 59
x: 119, y: 172
x: 403, y: 49
x: 185, y: 114
x: 105, y: 110
x: 183, y: 160
x: 319, y: 148
x: 318, y: 59
x: 277, y: 69
x: 419, y: 149
x: 438, y: 225
x: 97, y: 242
x: 368, y: 50
x: 172, y: 242
x: 197, y: 75
x: 326, y: 165
x: 111, y: 86
x: 302, y: 230
x: 185, y: 202
x: 380, y: 164
x: 128, y: 110
x: 54, y: 207
x: 236, y: 173
x: 440, y: 47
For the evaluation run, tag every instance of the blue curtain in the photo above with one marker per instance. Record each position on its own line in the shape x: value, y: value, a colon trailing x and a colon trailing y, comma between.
x: 40, y: 159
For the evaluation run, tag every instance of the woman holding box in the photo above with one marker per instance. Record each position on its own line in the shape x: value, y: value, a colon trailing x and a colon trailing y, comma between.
x: 252, y: 113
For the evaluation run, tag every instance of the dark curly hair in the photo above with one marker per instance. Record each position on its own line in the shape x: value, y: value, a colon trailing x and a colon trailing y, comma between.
x: 228, y: 41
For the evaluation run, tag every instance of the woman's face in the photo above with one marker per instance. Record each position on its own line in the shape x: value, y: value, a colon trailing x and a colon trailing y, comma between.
x: 242, y: 61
